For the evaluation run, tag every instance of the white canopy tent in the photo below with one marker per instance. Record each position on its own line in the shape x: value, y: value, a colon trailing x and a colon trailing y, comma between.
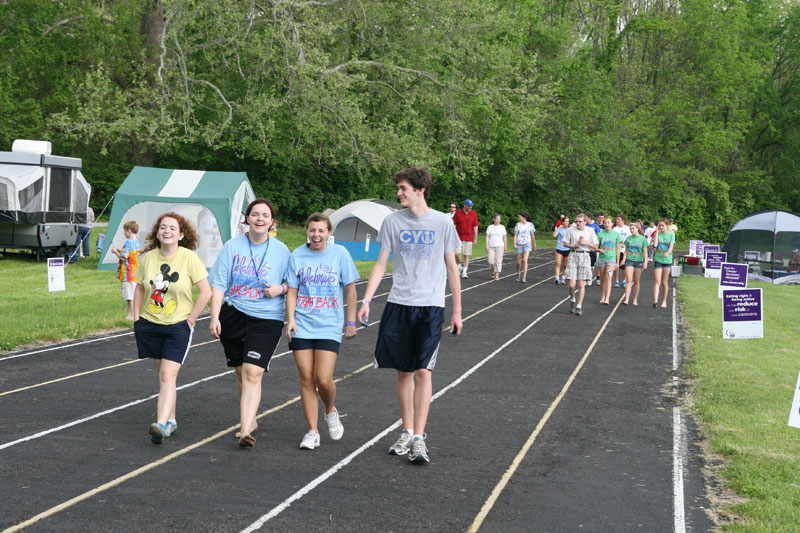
x: 356, y: 226
x: 768, y: 241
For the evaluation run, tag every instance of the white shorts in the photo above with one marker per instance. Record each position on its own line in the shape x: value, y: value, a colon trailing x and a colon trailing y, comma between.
x: 128, y: 288
x: 466, y: 247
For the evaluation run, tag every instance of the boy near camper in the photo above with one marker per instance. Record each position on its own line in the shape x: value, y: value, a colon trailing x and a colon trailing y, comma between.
x: 128, y: 262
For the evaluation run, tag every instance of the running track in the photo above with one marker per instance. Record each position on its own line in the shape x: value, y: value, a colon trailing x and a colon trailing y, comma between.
x: 542, y: 421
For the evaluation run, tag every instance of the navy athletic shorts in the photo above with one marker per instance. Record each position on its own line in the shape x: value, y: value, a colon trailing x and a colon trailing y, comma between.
x: 159, y: 341
x: 248, y: 339
x: 297, y: 344
x: 408, y: 337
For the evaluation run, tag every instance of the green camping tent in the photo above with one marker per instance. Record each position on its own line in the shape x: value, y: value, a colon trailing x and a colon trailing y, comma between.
x: 212, y: 201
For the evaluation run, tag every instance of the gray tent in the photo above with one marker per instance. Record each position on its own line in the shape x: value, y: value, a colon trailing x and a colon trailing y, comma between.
x: 768, y: 241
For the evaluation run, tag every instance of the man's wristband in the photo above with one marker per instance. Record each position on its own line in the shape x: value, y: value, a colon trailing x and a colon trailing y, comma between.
x: 350, y: 323
x: 283, y: 289
x: 366, y: 301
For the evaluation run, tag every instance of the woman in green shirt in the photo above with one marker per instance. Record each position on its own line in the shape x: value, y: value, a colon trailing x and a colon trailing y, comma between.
x: 663, y: 243
x: 607, y: 259
x: 635, y: 262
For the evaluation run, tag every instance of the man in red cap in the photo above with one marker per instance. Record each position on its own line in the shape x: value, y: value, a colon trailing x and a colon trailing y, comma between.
x: 466, y: 221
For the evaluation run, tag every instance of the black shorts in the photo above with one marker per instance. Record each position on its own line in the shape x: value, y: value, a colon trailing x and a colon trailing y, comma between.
x: 622, y: 259
x: 408, y: 337
x: 160, y: 341
x: 328, y: 345
x: 593, y: 257
x: 565, y: 253
x: 248, y: 339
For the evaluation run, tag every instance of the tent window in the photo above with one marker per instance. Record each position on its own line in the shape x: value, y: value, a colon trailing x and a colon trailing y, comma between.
x: 30, y: 198
x: 3, y: 197
x: 60, y: 188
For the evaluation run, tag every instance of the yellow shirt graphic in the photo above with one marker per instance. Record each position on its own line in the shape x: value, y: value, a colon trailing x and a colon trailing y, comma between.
x: 167, y: 283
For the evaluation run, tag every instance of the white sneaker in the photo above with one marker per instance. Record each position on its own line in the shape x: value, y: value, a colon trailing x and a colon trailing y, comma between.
x: 335, y: 427
x: 402, y: 445
x: 419, y: 452
x: 310, y: 440
x: 464, y: 274
x: 460, y: 268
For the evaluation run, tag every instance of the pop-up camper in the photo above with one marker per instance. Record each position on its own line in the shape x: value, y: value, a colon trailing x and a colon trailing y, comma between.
x: 43, y: 198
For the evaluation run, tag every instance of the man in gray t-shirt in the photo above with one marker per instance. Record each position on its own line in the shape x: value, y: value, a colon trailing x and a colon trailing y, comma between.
x: 423, y: 242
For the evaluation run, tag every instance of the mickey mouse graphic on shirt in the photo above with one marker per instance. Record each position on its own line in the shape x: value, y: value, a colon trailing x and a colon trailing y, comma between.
x: 160, y: 284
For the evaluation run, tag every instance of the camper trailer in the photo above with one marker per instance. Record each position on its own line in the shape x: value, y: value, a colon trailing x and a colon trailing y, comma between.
x: 43, y: 198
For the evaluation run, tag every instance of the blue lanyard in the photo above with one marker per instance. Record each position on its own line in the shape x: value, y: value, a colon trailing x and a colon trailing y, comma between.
x: 261, y: 284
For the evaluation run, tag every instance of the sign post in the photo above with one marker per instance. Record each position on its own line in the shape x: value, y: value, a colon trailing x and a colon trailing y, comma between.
x: 708, y: 248
x: 741, y: 314
x: 732, y: 276
x: 55, y: 274
x: 714, y: 262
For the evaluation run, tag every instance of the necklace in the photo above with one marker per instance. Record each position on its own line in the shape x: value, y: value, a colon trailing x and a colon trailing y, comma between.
x: 257, y: 269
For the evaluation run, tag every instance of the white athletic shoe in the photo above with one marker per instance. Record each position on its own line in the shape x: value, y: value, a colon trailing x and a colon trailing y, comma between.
x: 310, y: 440
x: 335, y: 427
x: 419, y: 452
x: 402, y: 445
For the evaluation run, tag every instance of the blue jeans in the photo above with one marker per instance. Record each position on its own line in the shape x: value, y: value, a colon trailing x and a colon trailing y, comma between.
x: 84, y: 233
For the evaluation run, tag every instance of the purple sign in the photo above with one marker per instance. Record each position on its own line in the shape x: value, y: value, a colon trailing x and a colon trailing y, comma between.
x: 733, y: 275
x: 714, y: 260
x: 700, y: 247
x: 693, y: 247
x: 741, y: 305
x: 709, y: 248
x: 741, y: 314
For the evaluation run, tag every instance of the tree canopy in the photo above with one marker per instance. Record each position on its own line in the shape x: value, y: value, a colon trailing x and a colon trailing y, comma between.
x: 685, y: 109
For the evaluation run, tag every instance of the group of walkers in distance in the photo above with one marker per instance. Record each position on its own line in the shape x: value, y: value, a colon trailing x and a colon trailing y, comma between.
x: 466, y: 223
x: 595, y: 252
x: 256, y: 282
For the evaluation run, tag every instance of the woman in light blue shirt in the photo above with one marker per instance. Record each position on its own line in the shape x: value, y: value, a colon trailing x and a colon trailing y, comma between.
x: 562, y: 252
x: 248, y: 287
x: 319, y: 275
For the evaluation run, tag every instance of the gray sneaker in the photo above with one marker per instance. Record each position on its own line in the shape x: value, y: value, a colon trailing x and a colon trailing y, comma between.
x: 572, y: 307
x: 579, y: 311
x: 170, y: 428
x: 402, y: 445
x: 157, y: 433
x: 419, y: 452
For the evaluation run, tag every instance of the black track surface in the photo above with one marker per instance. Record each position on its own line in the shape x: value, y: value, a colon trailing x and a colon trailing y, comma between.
x: 603, y: 461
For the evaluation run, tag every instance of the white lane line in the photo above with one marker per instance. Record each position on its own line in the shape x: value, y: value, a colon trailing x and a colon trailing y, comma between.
x: 679, y: 522
x: 186, y: 386
x: 678, y: 445
x: 275, y: 511
x: 103, y: 413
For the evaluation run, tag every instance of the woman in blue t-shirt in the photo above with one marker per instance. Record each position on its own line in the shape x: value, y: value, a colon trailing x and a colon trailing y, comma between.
x: 319, y: 274
x: 562, y: 252
x: 248, y: 287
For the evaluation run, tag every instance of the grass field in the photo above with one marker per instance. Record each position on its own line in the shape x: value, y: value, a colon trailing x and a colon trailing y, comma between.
x: 743, y: 392
x: 91, y: 302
